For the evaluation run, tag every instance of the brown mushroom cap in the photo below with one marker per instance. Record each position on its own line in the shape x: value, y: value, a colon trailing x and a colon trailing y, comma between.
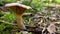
x: 18, y: 8
x: 17, y: 4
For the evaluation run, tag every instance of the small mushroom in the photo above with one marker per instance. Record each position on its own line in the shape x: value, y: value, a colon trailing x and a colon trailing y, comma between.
x: 18, y: 9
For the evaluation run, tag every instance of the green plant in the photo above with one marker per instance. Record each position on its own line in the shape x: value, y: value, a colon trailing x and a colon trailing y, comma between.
x: 57, y: 1
x: 1, y: 13
x: 11, y: 18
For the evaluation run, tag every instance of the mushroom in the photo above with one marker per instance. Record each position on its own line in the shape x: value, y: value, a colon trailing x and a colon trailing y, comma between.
x: 18, y: 9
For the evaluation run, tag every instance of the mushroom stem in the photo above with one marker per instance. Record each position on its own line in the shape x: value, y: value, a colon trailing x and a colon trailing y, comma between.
x: 20, y: 23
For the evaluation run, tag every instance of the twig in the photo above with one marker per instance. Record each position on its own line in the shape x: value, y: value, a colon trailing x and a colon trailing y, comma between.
x: 7, y: 22
x: 27, y: 14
